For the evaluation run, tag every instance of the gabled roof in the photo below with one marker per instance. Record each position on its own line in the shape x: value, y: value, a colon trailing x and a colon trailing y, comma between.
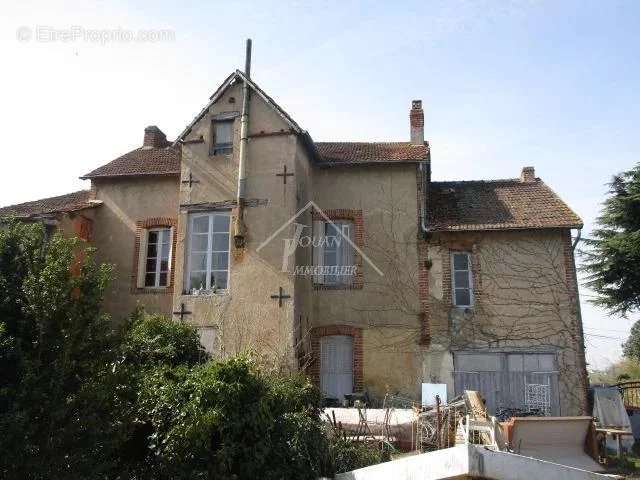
x: 69, y: 202
x: 496, y: 205
x: 231, y: 80
x: 142, y: 161
x: 363, y: 153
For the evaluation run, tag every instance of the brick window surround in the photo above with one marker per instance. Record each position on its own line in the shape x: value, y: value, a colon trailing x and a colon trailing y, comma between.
x: 356, y: 333
x: 358, y: 238
x: 447, y: 293
x: 141, y: 228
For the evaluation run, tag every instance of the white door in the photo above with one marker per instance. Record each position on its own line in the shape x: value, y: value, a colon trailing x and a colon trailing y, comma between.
x: 336, y: 366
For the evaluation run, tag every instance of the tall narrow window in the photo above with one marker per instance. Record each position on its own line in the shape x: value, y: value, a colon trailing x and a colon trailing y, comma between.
x: 462, y: 280
x: 222, y: 141
x: 157, y: 260
x: 208, y: 263
x: 333, y: 252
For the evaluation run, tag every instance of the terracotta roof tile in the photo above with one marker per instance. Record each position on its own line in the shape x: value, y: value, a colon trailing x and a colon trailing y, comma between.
x: 496, y: 205
x: 141, y: 161
x: 63, y: 203
x: 355, y: 153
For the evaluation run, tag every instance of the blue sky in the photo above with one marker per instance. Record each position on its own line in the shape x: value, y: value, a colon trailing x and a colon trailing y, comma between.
x: 552, y: 84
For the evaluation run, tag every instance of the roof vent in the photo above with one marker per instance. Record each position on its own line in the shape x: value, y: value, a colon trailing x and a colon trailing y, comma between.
x: 528, y: 175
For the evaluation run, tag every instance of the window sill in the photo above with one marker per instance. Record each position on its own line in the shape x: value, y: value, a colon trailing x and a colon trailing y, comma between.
x: 354, y: 286
x: 218, y: 293
x: 152, y: 290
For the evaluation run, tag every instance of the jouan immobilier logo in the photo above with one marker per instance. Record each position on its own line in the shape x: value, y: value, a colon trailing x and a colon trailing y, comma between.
x: 332, y: 244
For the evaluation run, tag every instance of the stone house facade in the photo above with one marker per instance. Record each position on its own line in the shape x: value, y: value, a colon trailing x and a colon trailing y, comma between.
x: 343, y: 259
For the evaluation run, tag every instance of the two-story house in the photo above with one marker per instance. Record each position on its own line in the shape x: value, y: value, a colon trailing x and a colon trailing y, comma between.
x: 344, y: 259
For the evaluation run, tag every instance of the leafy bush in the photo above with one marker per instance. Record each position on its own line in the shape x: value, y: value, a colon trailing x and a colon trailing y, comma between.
x: 80, y: 401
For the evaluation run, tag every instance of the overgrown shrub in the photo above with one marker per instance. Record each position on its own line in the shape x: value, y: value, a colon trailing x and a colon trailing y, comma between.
x: 348, y: 455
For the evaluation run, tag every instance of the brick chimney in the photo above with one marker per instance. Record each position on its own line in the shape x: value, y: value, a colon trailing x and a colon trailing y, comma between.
x: 528, y: 175
x: 153, y: 137
x: 416, y: 120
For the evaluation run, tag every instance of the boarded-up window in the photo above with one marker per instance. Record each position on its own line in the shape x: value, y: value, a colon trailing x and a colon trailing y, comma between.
x: 509, y: 380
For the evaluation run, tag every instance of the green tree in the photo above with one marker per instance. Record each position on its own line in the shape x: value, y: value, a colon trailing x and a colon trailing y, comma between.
x: 52, y: 339
x: 613, y: 254
x: 631, y: 347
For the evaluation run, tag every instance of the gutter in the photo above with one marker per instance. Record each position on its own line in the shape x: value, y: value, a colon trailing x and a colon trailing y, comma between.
x: 423, y: 166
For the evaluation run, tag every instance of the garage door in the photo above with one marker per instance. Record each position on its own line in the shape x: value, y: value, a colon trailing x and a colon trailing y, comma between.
x: 509, y: 380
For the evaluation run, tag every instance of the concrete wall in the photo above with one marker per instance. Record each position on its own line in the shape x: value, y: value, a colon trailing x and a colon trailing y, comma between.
x: 524, y: 300
x: 125, y: 202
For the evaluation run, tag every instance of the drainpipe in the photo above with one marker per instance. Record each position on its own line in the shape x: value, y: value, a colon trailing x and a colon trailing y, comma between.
x: 239, y: 229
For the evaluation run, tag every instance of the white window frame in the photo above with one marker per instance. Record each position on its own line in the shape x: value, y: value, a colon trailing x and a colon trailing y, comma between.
x: 156, y: 282
x: 209, y: 252
x: 320, y: 231
x: 469, y: 271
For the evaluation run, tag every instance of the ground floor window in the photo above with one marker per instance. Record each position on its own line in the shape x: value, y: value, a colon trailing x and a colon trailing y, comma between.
x: 510, y: 380
x: 336, y: 366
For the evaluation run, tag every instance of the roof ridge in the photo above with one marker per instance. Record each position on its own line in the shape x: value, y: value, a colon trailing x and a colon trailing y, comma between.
x: 490, y: 180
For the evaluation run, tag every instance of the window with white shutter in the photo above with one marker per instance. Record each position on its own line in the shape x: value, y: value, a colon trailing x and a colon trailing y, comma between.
x: 336, y: 366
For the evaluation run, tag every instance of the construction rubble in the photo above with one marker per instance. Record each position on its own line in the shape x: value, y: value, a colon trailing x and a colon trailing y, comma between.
x: 471, y: 443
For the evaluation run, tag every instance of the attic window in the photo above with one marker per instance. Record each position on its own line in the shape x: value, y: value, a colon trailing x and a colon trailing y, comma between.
x: 222, y: 137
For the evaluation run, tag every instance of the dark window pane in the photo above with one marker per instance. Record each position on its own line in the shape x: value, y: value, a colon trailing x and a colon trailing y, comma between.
x: 462, y: 279
x: 164, y: 265
x: 221, y: 223
x: 463, y: 297
x: 221, y: 242
x: 198, y: 280
x: 153, y: 237
x: 219, y: 279
x: 152, y: 250
x: 330, y: 258
x: 219, y: 261
x: 150, y: 280
x: 151, y: 265
x: 163, y: 279
x: 460, y: 261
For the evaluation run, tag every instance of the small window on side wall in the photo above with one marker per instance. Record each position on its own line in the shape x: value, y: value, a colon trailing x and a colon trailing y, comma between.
x: 157, y: 257
x: 461, y: 279
x: 222, y: 137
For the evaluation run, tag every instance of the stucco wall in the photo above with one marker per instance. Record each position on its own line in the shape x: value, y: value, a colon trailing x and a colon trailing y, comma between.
x: 125, y: 202
x: 245, y: 316
x: 386, y: 307
x: 524, y: 300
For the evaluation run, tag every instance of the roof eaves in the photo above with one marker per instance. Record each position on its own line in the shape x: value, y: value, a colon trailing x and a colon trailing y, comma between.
x: 132, y: 174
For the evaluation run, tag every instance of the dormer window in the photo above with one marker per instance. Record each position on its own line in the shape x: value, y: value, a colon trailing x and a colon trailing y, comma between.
x: 222, y: 137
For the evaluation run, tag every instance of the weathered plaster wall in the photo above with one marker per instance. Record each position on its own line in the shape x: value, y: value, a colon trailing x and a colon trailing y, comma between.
x: 524, y: 299
x: 126, y: 201
x: 386, y: 307
x: 245, y: 315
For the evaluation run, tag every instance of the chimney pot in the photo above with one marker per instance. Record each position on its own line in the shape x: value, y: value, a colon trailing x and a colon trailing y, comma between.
x: 528, y: 175
x: 416, y: 122
x: 154, y: 137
